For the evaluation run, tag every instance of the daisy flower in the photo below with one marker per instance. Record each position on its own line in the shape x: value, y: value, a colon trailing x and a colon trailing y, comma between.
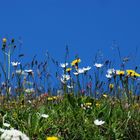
x: 98, y: 65
x: 97, y: 122
x: 63, y: 65
x: 15, y: 64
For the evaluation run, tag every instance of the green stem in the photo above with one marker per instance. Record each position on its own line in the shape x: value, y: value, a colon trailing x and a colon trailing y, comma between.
x: 9, y: 60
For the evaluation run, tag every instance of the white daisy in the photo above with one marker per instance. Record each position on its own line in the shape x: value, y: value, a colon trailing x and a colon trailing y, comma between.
x: 111, y: 71
x: 44, y: 115
x: 97, y: 122
x: 86, y: 68
x: 98, y: 65
x: 69, y: 86
x: 75, y: 73
x: 108, y: 76
x: 80, y: 70
x: 28, y: 71
x: 15, y: 64
x: 63, y: 65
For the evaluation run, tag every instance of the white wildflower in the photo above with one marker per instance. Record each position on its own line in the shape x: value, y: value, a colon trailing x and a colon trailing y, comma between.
x: 108, y: 76
x: 69, y: 86
x: 15, y: 64
x: 98, y: 65
x: 80, y: 70
x: 29, y: 90
x: 20, y: 72
x: 86, y: 68
x: 44, y: 115
x: 97, y: 122
x: 111, y: 71
x: 75, y: 73
x: 65, y: 78
x: 28, y: 71
x: 63, y: 65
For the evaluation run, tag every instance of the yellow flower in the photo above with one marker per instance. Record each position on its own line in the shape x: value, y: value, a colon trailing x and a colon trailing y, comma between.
x: 50, y: 98
x: 55, y: 97
x: 132, y: 73
x: 88, y: 104
x: 76, y: 61
x: 4, y: 40
x: 98, y: 104
x: 104, y: 95
x: 68, y: 69
x: 120, y: 72
x: 111, y: 86
x: 52, y: 138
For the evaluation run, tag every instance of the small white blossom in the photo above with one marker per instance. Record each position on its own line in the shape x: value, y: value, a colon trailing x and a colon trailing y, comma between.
x: 111, y: 71
x: 75, y: 73
x: 64, y: 78
x: 29, y: 90
x: 108, y: 76
x: 97, y: 122
x: 80, y: 70
x: 97, y: 65
x: 15, y: 64
x: 87, y: 68
x: 28, y: 71
x: 20, y: 72
x: 63, y: 65
x: 69, y: 86
x: 44, y: 115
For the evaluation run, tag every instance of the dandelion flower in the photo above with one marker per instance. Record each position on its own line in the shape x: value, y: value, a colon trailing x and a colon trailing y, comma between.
x: 4, y: 40
x: 88, y: 104
x: 111, y: 86
x: 120, y: 72
x: 97, y: 122
x: 97, y: 65
x: 132, y: 73
x: 98, y: 104
x: 75, y: 62
x: 68, y: 69
x: 52, y: 138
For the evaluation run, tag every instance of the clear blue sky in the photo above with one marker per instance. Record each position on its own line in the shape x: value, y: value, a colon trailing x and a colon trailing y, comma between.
x: 84, y: 25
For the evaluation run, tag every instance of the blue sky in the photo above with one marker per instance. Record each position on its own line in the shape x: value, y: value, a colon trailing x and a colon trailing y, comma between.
x: 86, y: 26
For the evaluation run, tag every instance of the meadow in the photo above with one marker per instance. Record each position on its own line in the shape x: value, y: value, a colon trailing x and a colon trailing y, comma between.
x: 95, y: 102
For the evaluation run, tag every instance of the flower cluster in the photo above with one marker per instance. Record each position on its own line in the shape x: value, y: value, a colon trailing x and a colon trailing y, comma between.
x: 13, y: 134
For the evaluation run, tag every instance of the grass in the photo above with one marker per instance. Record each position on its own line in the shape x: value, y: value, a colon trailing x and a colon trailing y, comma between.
x: 29, y: 103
